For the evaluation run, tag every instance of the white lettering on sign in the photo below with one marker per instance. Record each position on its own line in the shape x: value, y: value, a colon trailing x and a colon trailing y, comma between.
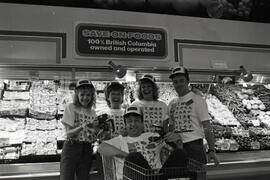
x: 121, y: 34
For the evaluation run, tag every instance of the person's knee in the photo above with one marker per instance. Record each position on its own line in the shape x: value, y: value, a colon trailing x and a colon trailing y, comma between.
x: 134, y: 157
x: 178, y: 158
x: 138, y: 159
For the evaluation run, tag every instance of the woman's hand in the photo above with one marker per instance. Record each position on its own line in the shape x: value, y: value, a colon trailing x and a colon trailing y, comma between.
x: 72, y: 132
x: 175, y: 138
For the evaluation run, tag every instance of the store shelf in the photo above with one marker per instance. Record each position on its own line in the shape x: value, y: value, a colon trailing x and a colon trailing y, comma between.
x: 234, y: 165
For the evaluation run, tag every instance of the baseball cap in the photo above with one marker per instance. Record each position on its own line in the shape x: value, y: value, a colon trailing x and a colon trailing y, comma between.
x: 178, y: 70
x: 148, y: 77
x: 115, y: 85
x: 133, y: 110
x: 82, y: 82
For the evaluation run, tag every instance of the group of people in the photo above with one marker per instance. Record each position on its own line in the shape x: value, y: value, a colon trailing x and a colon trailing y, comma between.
x: 185, y: 122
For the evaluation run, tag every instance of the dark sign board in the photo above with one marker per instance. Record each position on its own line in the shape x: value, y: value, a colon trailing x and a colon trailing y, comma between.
x: 120, y: 41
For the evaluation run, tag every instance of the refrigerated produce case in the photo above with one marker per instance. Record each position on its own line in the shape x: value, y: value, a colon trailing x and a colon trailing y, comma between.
x: 32, y: 135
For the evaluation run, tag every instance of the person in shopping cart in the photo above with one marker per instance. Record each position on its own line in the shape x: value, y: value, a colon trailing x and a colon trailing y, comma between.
x: 189, y: 116
x: 139, y: 147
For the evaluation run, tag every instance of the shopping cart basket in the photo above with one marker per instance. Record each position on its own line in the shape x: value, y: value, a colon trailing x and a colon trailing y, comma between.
x: 193, y: 171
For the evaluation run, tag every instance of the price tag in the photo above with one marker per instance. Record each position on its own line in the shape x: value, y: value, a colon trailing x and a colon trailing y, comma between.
x: 234, y: 147
x: 4, y: 142
x: 255, y: 145
x: 256, y: 122
x: 225, y: 146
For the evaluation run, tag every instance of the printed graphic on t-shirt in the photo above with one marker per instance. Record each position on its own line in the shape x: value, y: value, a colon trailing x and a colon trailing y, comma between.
x: 182, y: 116
x: 87, y: 134
x: 150, y: 152
x: 152, y: 115
x: 117, y: 125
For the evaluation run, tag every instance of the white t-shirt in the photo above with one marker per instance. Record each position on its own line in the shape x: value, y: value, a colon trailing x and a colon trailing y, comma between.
x: 137, y: 144
x: 187, y: 114
x: 154, y: 112
x: 75, y: 117
x: 117, y: 115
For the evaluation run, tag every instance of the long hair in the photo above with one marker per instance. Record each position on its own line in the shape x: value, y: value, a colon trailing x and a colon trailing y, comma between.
x: 92, y: 89
x: 155, y: 91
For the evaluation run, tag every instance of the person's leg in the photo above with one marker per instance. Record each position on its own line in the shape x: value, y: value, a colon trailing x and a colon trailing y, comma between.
x: 134, y: 166
x: 99, y: 166
x: 177, y: 158
x: 83, y: 169
x: 69, y: 161
x: 137, y: 159
x: 196, y: 151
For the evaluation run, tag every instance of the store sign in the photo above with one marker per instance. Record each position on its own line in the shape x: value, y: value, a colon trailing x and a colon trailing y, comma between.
x: 120, y: 41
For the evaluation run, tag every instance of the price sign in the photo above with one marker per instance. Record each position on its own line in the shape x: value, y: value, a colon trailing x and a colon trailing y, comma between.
x: 121, y: 41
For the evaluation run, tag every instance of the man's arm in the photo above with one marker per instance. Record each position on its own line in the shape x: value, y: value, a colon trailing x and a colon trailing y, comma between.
x: 209, y: 135
x: 110, y: 150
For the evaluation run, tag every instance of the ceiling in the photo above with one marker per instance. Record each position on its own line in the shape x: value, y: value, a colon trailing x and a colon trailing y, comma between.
x: 239, y: 10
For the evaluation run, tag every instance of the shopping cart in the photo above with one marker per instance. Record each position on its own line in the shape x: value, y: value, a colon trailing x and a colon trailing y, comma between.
x: 193, y: 171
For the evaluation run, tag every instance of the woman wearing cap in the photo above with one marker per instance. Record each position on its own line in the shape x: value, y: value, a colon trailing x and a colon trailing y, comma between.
x: 189, y: 114
x: 155, y: 112
x: 79, y: 121
x: 114, y: 96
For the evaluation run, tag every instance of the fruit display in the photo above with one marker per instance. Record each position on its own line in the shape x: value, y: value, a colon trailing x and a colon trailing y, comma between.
x: 263, y: 117
x: 224, y: 144
x: 43, y: 100
x: 220, y: 112
x: 10, y: 153
x: 221, y: 131
x: 14, y: 101
x: 16, y: 95
x: 32, y: 117
x: 227, y: 94
x: 249, y: 100
x: 39, y: 148
x: 14, y: 108
x: 263, y: 93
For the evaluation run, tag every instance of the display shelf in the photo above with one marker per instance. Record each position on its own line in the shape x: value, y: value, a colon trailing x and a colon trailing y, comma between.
x: 63, y: 95
x: 32, y: 159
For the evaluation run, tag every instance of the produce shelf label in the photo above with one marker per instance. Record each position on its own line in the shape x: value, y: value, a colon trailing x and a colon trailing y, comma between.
x: 120, y: 41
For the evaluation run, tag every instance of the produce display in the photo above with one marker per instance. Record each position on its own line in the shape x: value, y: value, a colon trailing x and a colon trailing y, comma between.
x: 43, y: 100
x: 30, y: 115
x: 263, y: 93
x: 220, y: 112
x: 28, y: 119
